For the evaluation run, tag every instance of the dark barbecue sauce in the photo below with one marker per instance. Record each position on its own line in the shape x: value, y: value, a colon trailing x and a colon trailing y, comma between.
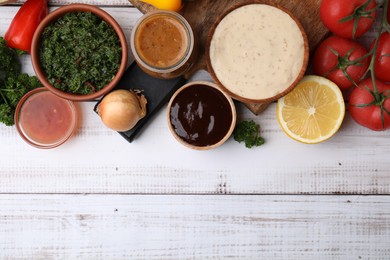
x: 201, y: 115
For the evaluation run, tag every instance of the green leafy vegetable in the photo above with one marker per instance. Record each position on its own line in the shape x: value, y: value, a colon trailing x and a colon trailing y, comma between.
x: 9, y: 62
x: 248, y: 131
x: 80, y: 53
x: 13, y: 83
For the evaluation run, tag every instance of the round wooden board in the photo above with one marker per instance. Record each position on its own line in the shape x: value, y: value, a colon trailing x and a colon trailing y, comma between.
x: 201, y: 14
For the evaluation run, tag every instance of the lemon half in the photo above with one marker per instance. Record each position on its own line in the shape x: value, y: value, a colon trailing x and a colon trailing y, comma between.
x: 313, y: 111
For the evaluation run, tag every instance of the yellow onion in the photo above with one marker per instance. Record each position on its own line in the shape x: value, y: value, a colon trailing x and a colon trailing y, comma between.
x: 121, y: 109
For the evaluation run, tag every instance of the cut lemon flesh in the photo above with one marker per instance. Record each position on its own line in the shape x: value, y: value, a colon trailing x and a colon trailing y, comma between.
x: 313, y: 111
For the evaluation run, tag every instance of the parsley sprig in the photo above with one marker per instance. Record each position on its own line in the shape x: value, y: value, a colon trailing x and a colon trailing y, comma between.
x: 249, y: 132
x: 13, y: 83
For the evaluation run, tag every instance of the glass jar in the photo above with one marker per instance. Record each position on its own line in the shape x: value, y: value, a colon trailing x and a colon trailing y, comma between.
x: 163, y: 44
x: 45, y: 120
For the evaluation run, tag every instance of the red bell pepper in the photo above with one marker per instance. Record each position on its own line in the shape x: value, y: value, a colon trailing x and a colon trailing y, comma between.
x: 24, y: 24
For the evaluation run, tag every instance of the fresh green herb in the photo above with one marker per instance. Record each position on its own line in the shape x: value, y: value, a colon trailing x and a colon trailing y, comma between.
x: 80, y: 53
x: 248, y: 131
x: 9, y: 62
x: 13, y: 83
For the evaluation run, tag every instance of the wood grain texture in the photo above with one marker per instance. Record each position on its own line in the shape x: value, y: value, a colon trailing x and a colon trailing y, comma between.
x: 117, y: 3
x: 142, y: 6
x: 193, y: 227
x: 119, y: 219
x: 202, y: 14
x: 98, y: 160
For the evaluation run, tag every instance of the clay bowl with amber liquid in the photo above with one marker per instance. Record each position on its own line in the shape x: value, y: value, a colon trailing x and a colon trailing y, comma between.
x: 201, y: 116
x: 54, y: 16
x: 257, y: 52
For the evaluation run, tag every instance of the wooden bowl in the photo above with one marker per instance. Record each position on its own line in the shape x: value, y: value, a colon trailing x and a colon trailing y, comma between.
x: 201, y: 116
x: 53, y: 16
x: 261, y: 92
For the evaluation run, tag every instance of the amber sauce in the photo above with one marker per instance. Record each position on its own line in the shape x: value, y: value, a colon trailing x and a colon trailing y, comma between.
x: 161, y: 41
x: 46, y: 118
x: 201, y: 115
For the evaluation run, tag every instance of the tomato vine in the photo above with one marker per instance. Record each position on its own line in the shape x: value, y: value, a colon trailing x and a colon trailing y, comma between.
x: 380, y: 98
x: 360, y: 12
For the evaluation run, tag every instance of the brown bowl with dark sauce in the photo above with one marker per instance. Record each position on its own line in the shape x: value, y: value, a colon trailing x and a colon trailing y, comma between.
x: 201, y: 116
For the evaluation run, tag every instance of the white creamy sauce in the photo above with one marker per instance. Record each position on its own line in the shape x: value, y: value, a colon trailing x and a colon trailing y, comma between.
x: 257, y: 51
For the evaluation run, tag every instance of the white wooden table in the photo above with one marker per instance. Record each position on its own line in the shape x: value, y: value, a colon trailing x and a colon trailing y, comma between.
x: 99, y: 197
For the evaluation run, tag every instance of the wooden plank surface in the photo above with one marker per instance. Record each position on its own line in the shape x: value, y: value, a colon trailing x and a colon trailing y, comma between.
x: 116, y: 3
x: 99, y: 197
x: 202, y: 14
x: 98, y: 160
x: 194, y: 227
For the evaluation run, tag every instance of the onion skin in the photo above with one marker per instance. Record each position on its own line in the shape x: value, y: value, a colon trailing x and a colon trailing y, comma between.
x: 121, y: 109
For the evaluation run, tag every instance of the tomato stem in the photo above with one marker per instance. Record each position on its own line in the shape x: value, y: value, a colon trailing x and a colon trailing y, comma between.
x: 383, y: 24
x: 387, y: 111
x: 378, y: 98
x: 359, y: 12
x: 343, y: 62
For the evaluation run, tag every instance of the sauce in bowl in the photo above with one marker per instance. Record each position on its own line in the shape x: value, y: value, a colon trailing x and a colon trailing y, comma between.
x: 201, y: 116
x: 257, y: 52
x: 161, y: 41
x: 45, y: 120
x: 163, y: 44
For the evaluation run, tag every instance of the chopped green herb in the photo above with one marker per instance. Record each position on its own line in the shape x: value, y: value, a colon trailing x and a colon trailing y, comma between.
x: 248, y: 131
x: 13, y: 83
x: 80, y: 53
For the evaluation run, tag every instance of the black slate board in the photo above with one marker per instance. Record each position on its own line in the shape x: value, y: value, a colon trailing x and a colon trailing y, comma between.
x: 157, y: 92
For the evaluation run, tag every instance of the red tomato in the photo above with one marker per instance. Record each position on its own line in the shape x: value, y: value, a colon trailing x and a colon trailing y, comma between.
x: 375, y: 114
x: 22, y: 28
x: 382, y: 58
x: 332, y: 11
x: 328, y: 64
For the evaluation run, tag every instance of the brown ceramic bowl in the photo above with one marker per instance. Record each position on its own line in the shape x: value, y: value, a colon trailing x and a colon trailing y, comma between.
x: 53, y: 16
x: 201, y: 116
x: 248, y: 51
